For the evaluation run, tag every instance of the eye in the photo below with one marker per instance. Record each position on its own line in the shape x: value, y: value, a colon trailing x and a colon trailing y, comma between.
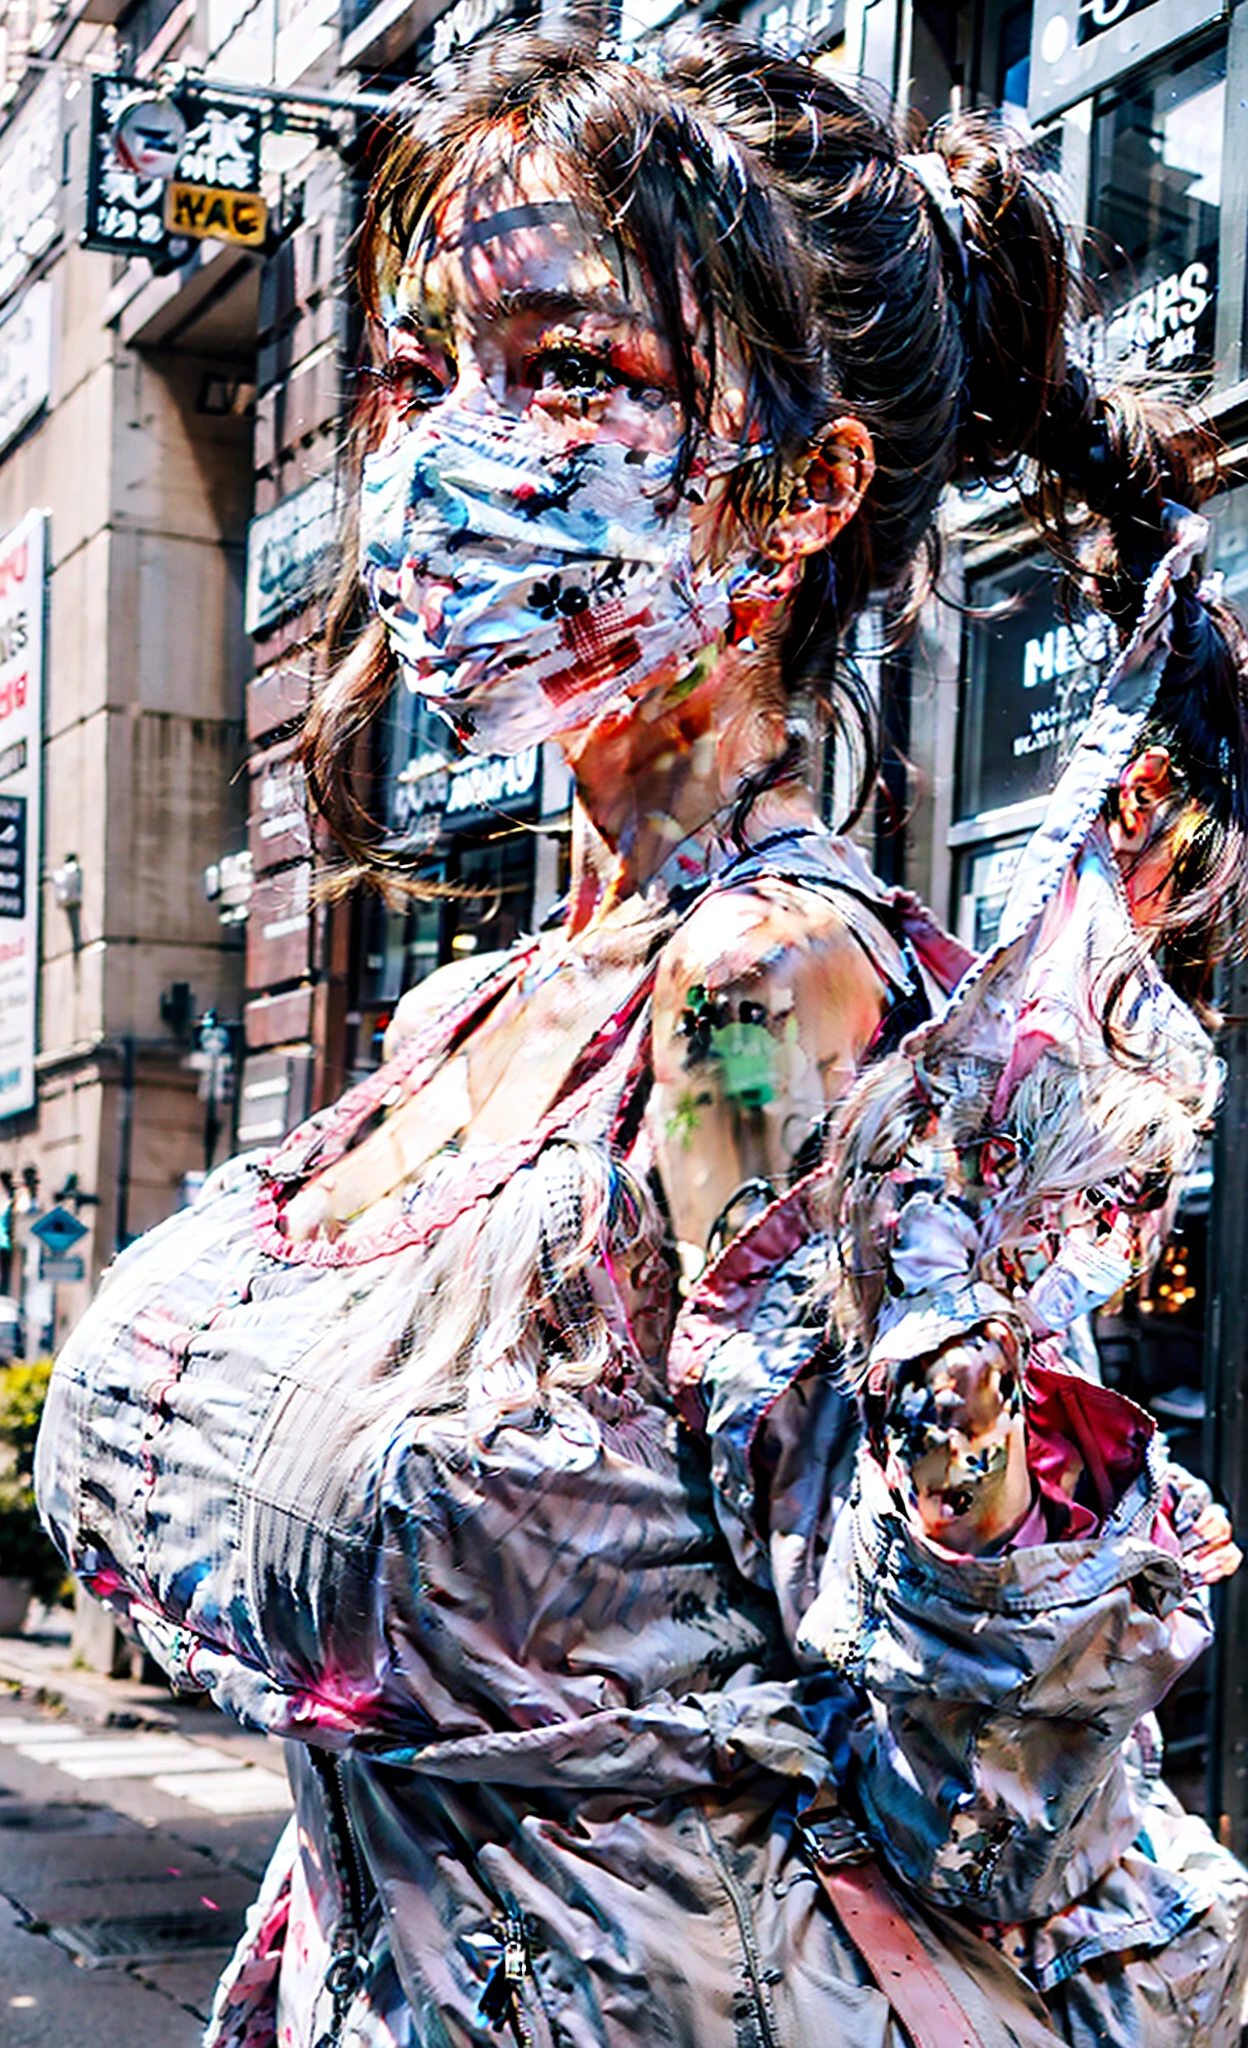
x: 412, y: 384
x: 564, y: 367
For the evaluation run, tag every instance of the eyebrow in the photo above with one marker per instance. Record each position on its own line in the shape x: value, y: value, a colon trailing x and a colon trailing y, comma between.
x: 553, y: 304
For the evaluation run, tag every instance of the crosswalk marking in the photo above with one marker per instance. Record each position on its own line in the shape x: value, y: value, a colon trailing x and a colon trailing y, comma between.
x: 14, y: 1732
x: 137, y: 1760
x: 90, y: 1746
x: 204, y: 1777
x: 234, y: 1792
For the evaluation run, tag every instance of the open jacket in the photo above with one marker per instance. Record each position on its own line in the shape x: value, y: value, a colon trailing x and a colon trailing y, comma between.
x: 551, y: 1752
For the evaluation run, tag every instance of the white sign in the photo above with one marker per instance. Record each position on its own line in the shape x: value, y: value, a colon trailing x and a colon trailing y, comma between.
x: 287, y: 553
x: 30, y: 184
x: 21, y: 743
x: 791, y: 26
x: 148, y: 136
x: 1157, y: 329
x: 25, y: 360
x: 478, y: 783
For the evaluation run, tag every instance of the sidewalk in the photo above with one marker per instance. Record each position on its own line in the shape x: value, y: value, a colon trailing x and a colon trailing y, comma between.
x: 38, y: 1664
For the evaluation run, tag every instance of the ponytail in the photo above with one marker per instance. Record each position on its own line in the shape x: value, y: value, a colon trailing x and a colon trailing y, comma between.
x: 776, y: 221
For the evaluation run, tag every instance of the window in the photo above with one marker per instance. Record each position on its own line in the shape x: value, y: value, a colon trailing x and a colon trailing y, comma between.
x: 1029, y: 680
x: 1156, y: 193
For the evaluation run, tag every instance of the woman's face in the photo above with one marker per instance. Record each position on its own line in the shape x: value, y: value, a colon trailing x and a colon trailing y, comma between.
x: 521, y: 535
x: 512, y: 303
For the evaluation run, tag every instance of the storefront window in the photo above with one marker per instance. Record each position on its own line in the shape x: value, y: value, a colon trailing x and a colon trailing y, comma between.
x: 499, y: 874
x: 985, y: 874
x: 1156, y: 193
x: 1030, y: 677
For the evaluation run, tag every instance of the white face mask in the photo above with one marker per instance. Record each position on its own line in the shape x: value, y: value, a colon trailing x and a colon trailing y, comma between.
x: 526, y: 591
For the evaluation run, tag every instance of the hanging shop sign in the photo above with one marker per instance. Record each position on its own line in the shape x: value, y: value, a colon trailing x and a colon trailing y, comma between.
x: 21, y: 740
x: 214, y: 212
x: 1077, y: 46
x: 148, y: 147
x: 290, y: 552
x: 25, y: 360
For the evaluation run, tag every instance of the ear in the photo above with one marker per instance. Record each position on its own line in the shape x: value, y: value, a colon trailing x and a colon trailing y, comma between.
x: 1142, y: 786
x: 827, y: 493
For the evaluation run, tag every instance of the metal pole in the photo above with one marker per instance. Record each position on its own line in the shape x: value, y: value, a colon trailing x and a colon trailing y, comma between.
x: 174, y: 76
x: 125, y: 1141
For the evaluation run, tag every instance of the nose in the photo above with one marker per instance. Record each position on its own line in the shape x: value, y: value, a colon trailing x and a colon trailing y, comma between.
x: 471, y: 392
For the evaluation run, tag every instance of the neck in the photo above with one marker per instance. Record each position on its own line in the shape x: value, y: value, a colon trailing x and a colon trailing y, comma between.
x: 656, y: 776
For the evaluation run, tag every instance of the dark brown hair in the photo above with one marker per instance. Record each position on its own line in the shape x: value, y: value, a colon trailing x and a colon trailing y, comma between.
x: 764, y: 202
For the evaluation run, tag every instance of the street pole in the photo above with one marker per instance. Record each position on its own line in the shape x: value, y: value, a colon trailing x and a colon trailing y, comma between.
x: 1226, y: 1419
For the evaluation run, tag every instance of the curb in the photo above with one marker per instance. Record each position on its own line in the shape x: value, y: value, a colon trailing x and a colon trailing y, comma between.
x: 110, y: 1703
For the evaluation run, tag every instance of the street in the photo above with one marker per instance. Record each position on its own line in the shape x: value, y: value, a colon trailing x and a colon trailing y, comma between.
x: 128, y: 1857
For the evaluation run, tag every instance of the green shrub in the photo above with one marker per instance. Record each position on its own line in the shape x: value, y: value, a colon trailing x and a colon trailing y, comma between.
x: 25, y: 1552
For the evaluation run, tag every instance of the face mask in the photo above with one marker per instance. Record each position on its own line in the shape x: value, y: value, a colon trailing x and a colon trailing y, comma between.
x: 525, y: 592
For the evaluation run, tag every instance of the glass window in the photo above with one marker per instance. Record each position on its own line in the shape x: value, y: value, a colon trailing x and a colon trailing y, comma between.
x: 1029, y: 677
x: 1014, y: 57
x: 499, y: 873
x: 984, y: 877
x: 1156, y: 192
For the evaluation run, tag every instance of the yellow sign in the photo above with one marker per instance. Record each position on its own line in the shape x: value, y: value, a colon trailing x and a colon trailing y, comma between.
x: 216, y: 211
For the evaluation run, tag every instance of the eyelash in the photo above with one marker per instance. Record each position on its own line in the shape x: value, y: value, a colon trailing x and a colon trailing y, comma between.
x: 416, y: 386
x: 585, y: 371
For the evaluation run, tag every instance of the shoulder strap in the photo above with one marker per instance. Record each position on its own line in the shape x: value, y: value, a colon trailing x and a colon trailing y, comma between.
x: 927, y: 1985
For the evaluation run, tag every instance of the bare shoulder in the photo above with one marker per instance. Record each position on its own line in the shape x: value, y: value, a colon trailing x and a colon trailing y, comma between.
x: 774, y: 941
x: 766, y: 1002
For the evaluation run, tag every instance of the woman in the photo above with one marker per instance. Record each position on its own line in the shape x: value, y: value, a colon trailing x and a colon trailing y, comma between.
x: 375, y: 1444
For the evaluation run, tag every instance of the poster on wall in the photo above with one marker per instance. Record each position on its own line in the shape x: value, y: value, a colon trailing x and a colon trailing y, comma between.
x: 21, y: 740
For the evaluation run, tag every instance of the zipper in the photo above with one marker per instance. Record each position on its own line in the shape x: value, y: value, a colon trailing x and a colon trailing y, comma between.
x: 346, y: 1966
x: 745, y: 1927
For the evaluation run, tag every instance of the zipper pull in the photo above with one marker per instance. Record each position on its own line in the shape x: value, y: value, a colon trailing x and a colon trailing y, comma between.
x: 515, y: 1952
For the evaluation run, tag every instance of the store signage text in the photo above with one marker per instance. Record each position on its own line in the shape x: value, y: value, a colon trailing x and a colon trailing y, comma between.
x: 491, y: 783
x: 1049, y: 659
x: 463, y: 23
x: 12, y: 856
x: 204, y: 211
x: 21, y: 705
x: 1158, y: 326
x: 30, y: 185
x: 418, y: 799
x: 432, y: 794
x: 1095, y: 16
x: 288, y: 553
